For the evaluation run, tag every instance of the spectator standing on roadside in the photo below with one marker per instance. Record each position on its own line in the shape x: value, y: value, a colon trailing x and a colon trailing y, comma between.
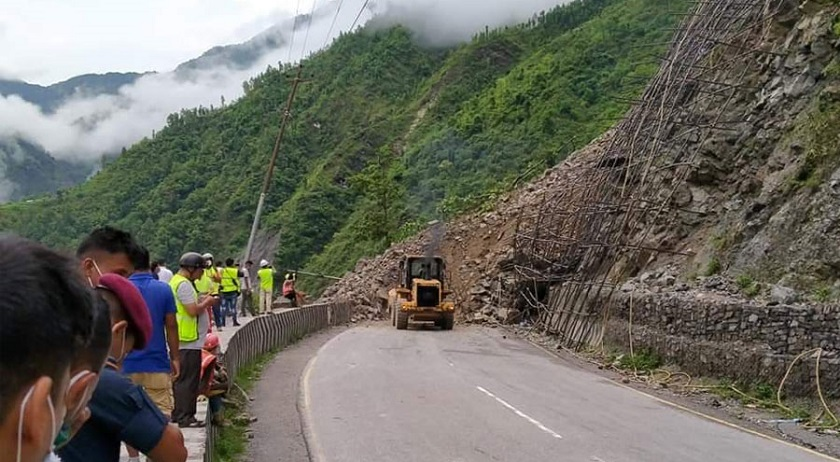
x: 246, y: 301
x: 106, y: 250
x: 208, y: 285
x: 164, y: 273
x: 46, y: 317
x: 266, y: 277
x: 121, y: 410
x: 230, y: 290
x: 193, y: 324
x: 154, y: 368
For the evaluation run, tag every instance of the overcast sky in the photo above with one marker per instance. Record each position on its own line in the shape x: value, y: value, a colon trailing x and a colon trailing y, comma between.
x: 46, y: 41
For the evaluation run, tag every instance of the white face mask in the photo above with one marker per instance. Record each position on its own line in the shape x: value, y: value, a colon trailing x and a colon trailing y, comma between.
x: 20, y: 422
x: 85, y: 396
x: 123, y: 353
x: 96, y: 267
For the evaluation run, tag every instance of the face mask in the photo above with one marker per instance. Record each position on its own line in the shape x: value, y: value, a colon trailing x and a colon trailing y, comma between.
x: 64, y: 433
x: 96, y: 267
x: 20, y: 422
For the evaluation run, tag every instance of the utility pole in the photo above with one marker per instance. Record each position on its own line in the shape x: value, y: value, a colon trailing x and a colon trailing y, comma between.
x: 287, y: 114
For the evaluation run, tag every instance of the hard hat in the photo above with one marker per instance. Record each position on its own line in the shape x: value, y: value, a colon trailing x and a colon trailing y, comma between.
x: 211, y: 341
x: 263, y: 263
x: 191, y: 260
x: 208, y: 256
x: 288, y: 277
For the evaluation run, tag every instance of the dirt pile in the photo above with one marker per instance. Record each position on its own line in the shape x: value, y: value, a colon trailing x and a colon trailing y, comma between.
x: 478, y: 250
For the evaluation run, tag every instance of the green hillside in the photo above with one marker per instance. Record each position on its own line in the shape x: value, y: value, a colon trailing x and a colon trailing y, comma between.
x: 385, y: 134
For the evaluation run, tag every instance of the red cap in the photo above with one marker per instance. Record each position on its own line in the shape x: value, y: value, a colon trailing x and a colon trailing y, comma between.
x: 134, y: 306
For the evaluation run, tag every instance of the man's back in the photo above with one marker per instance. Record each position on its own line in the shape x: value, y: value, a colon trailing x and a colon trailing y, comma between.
x: 160, y: 300
x: 164, y: 274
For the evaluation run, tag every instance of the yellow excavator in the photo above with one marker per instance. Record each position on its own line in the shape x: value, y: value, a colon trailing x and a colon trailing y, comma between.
x: 421, y: 295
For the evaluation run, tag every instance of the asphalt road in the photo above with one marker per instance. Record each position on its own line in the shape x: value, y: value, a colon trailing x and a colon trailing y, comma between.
x: 378, y: 394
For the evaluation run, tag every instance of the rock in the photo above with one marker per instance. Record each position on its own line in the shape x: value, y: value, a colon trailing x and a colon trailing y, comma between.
x: 783, y: 295
x: 666, y: 280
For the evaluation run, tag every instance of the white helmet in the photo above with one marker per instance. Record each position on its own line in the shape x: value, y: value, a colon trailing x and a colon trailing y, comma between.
x: 208, y: 256
x: 263, y: 263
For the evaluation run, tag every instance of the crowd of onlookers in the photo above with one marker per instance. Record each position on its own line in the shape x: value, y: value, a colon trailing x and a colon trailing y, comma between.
x: 109, y: 348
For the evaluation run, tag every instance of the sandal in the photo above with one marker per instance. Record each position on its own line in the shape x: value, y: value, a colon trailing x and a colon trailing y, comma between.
x: 191, y: 423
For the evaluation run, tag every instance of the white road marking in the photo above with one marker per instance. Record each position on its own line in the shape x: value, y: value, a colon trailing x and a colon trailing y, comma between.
x: 516, y: 411
x: 598, y: 459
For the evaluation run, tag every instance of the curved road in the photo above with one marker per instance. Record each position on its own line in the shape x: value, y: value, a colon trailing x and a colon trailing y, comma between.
x: 378, y: 394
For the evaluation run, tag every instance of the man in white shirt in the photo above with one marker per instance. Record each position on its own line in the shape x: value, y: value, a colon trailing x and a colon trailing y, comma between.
x: 164, y: 273
x: 246, y: 300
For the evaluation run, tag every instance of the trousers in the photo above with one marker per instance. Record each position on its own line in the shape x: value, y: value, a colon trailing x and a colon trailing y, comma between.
x: 186, y: 386
x: 265, y: 301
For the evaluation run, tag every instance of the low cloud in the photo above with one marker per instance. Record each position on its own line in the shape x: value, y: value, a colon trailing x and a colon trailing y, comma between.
x: 85, y: 128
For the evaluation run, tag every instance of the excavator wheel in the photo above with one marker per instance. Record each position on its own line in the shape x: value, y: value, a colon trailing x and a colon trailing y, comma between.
x: 448, y: 321
x: 402, y: 320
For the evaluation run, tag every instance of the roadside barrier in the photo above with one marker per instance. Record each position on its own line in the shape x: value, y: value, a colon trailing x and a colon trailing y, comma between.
x: 271, y: 332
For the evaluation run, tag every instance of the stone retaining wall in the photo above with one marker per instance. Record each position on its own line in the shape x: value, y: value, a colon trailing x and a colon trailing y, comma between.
x: 712, y: 335
x: 267, y: 333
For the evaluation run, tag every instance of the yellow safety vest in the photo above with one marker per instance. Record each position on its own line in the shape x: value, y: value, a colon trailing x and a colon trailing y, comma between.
x: 205, y: 284
x: 187, y: 325
x: 230, y: 280
x: 266, y: 276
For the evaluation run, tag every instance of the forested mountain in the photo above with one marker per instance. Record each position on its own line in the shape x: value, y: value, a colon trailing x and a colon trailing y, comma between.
x: 385, y: 134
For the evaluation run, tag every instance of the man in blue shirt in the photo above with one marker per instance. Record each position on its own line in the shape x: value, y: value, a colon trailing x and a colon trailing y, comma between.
x: 154, y: 368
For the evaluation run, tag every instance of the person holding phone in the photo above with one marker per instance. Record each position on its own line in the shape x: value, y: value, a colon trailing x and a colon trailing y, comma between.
x: 193, y: 324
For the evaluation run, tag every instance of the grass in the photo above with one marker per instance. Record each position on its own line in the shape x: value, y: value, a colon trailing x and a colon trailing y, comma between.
x: 232, y: 440
x: 822, y: 294
x: 713, y: 267
x: 748, y: 285
x: 761, y: 395
x: 642, y: 361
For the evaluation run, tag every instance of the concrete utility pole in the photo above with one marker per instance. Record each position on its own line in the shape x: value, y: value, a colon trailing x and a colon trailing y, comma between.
x: 269, y: 174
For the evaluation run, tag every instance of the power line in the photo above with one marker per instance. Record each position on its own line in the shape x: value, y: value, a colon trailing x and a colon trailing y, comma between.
x: 294, y: 29
x: 356, y: 21
x: 308, y: 27
x: 332, y: 26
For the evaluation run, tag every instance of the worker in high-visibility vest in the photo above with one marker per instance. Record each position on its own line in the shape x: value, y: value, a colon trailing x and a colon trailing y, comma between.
x: 208, y: 284
x: 266, y: 277
x: 230, y: 289
x: 193, y: 324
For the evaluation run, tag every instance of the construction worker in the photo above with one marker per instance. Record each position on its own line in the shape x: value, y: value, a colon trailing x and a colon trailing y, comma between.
x: 266, y: 277
x: 193, y: 324
x: 208, y: 285
x: 230, y: 289
x: 289, y: 291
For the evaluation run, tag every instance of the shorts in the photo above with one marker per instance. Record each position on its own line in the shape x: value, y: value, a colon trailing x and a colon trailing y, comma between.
x: 291, y: 295
x: 158, y: 386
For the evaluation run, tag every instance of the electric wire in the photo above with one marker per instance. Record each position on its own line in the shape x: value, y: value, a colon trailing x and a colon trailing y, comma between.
x: 332, y: 26
x: 362, y: 10
x: 308, y: 28
x: 294, y: 30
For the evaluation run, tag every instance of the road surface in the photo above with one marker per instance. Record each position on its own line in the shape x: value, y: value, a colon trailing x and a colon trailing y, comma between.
x: 378, y: 394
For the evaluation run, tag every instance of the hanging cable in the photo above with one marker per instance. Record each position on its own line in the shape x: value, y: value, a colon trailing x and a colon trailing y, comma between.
x: 356, y: 21
x: 294, y: 29
x: 308, y: 27
x: 332, y: 26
